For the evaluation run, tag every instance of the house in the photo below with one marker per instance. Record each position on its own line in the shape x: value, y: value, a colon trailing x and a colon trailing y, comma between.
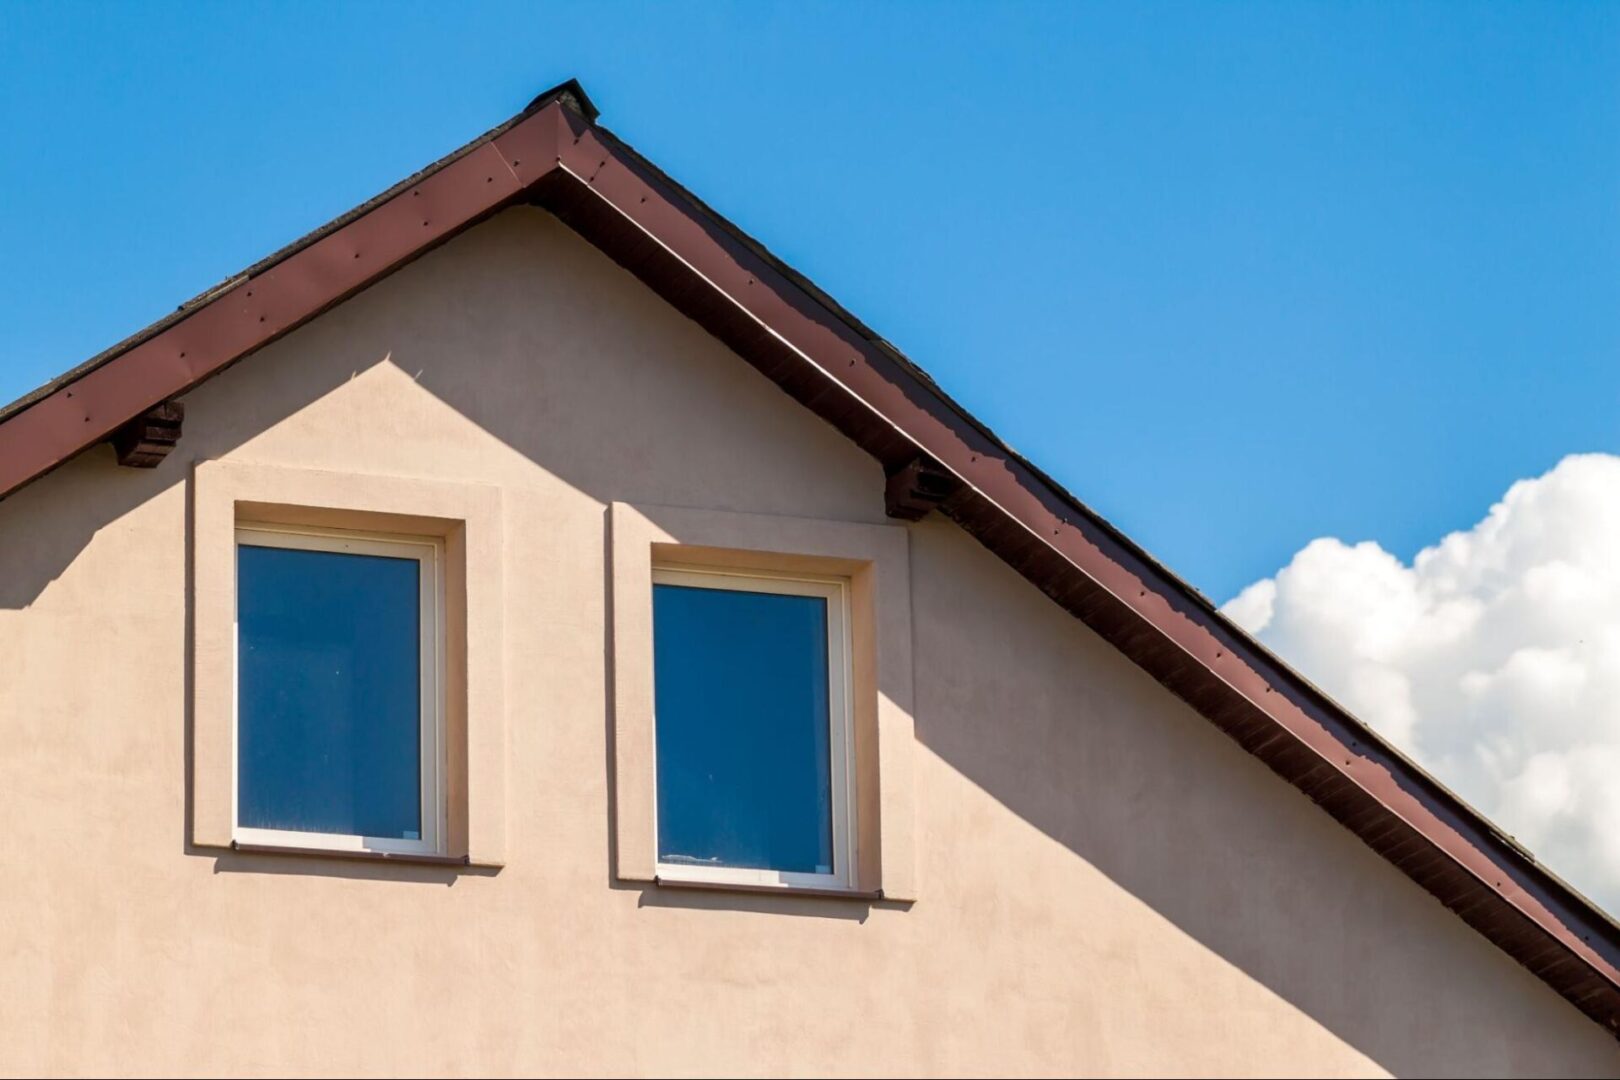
x: 337, y: 607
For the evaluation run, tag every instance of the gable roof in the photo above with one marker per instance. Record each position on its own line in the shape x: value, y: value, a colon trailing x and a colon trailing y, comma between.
x: 553, y: 154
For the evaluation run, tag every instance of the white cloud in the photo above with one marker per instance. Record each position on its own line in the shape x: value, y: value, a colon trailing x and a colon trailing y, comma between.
x: 1493, y: 659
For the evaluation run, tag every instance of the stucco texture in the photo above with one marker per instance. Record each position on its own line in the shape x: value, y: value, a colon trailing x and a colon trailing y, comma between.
x: 1104, y: 882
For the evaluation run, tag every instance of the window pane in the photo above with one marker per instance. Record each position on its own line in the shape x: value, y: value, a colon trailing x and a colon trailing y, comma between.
x: 744, y: 769
x: 329, y: 685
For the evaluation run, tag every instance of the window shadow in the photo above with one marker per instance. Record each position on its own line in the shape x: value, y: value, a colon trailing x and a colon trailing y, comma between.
x: 807, y: 907
x: 339, y: 867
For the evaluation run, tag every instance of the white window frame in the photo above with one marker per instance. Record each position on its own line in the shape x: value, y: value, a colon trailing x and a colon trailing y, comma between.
x: 840, y: 713
x: 428, y: 552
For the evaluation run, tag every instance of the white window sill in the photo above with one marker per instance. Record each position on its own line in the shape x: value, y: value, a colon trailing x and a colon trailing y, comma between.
x: 829, y: 892
x: 364, y: 856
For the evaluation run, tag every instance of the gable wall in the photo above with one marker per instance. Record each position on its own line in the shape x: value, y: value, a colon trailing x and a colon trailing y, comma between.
x: 1107, y: 883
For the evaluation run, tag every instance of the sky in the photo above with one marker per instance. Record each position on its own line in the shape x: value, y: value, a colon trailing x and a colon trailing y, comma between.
x: 1246, y: 277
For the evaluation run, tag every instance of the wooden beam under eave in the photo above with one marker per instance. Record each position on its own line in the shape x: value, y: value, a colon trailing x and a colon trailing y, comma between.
x: 145, y: 441
x: 917, y: 487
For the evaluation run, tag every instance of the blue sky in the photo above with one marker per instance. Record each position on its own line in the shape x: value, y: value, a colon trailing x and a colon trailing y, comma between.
x: 1241, y: 275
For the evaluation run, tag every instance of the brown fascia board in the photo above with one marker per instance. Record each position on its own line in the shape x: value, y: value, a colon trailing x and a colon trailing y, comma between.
x: 554, y: 155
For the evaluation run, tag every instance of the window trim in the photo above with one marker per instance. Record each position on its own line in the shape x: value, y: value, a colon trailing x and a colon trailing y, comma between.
x: 875, y: 560
x: 428, y: 552
x: 841, y: 734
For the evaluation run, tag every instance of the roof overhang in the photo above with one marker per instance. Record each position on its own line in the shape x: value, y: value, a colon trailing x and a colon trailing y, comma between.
x: 554, y: 155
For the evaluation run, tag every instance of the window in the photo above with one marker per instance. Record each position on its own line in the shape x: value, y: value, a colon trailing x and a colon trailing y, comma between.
x: 663, y: 671
x: 751, y: 723
x: 338, y: 711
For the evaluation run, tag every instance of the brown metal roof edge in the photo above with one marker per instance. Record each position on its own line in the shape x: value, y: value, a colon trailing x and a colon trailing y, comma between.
x: 1048, y: 534
x: 1191, y: 628
x: 569, y: 90
x: 68, y: 415
x: 1159, y: 567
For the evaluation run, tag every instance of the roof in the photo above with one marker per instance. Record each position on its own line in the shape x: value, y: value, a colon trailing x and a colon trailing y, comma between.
x: 553, y: 154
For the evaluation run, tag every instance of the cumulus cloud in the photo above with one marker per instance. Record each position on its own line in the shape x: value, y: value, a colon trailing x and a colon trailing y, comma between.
x: 1493, y: 659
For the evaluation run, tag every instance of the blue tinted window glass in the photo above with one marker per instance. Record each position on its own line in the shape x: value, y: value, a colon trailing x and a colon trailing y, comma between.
x: 329, y: 692
x: 744, y: 769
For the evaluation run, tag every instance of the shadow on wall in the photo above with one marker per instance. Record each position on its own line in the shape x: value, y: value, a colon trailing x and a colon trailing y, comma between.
x: 1152, y: 797
x: 41, y: 541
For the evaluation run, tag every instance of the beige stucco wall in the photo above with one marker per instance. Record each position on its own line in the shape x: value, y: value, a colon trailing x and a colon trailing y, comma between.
x: 1106, y: 883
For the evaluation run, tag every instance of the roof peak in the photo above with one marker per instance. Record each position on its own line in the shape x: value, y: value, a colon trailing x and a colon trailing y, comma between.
x: 570, y: 93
